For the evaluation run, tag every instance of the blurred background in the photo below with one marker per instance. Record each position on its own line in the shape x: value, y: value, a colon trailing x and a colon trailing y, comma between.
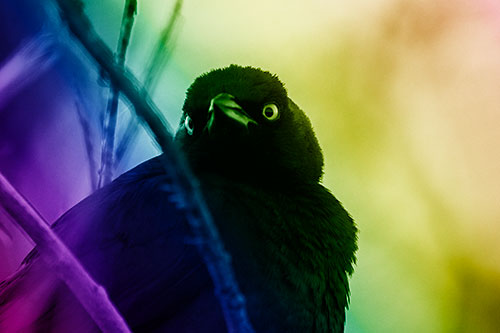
x: 404, y: 96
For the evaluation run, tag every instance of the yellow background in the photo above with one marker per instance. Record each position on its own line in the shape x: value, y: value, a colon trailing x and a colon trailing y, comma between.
x: 405, y: 99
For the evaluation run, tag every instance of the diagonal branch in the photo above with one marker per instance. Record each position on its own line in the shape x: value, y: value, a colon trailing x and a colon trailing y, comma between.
x: 89, y: 147
x: 185, y: 184
x: 106, y: 171
x: 57, y: 256
x: 161, y: 54
x: 156, y: 64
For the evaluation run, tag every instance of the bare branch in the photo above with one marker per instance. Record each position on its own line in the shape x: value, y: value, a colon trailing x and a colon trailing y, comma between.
x: 89, y: 147
x: 185, y: 184
x: 107, y: 164
x: 59, y: 258
x: 126, y: 141
x: 161, y: 53
x: 159, y: 58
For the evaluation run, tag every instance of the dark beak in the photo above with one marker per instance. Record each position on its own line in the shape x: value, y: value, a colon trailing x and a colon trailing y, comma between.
x: 226, y: 116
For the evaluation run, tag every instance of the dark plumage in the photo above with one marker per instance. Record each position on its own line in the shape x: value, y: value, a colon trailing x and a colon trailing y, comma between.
x: 259, y: 165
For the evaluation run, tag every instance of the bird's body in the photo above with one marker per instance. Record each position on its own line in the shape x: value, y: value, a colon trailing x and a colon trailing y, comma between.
x: 291, y: 242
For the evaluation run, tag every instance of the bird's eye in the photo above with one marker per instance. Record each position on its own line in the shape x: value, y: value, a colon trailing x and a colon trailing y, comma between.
x: 270, y: 112
x: 188, y: 124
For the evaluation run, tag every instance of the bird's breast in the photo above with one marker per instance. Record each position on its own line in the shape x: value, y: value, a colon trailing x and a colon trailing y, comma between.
x: 279, y: 259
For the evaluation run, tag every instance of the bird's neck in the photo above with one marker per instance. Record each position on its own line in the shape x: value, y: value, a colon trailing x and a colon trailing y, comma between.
x: 283, y: 180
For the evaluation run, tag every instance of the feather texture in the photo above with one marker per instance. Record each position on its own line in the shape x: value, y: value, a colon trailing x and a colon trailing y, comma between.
x: 291, y: 242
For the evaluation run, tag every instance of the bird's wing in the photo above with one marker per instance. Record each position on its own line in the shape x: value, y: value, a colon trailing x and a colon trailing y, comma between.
x: 135, y: 242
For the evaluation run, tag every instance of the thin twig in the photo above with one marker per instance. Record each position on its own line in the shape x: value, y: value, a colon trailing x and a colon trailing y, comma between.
x: 184, y: 183
x: 89, y: 147
x: 160, y: 54
x: 128, y: 138
x: 59, y: 258
x: 106, y: 171
x: 159, y: 58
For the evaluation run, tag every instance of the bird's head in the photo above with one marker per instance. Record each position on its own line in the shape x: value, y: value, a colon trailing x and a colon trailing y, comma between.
x: 239, y: 121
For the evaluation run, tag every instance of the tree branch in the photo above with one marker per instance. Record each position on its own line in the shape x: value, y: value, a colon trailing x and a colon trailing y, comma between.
x: 185, y: 184
x: 59, y: 258
x: 156, y: 64
x: 107, y: 164
x: 89, y: 147
x: 160, y: 54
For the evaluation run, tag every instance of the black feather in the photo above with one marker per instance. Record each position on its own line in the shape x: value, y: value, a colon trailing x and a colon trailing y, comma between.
x: 292, y: 244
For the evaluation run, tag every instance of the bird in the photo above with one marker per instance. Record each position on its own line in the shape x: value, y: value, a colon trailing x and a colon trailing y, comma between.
x: 259, y: 165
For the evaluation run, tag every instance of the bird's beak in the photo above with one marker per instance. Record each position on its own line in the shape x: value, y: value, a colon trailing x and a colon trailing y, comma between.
x: 226, y: 115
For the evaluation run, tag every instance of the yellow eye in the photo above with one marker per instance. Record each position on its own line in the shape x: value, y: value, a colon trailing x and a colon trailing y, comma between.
x: 270, y: 112
x: 188, y: 124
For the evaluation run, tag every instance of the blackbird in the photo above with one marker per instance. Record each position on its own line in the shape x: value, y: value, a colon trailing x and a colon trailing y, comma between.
x: 259, y: 165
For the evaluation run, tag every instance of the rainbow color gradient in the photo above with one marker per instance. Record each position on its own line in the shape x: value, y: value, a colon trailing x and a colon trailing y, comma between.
x: 404, y: 96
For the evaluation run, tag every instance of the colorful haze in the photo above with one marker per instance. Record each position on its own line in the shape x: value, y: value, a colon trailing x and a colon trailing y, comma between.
x: 404, y: 97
